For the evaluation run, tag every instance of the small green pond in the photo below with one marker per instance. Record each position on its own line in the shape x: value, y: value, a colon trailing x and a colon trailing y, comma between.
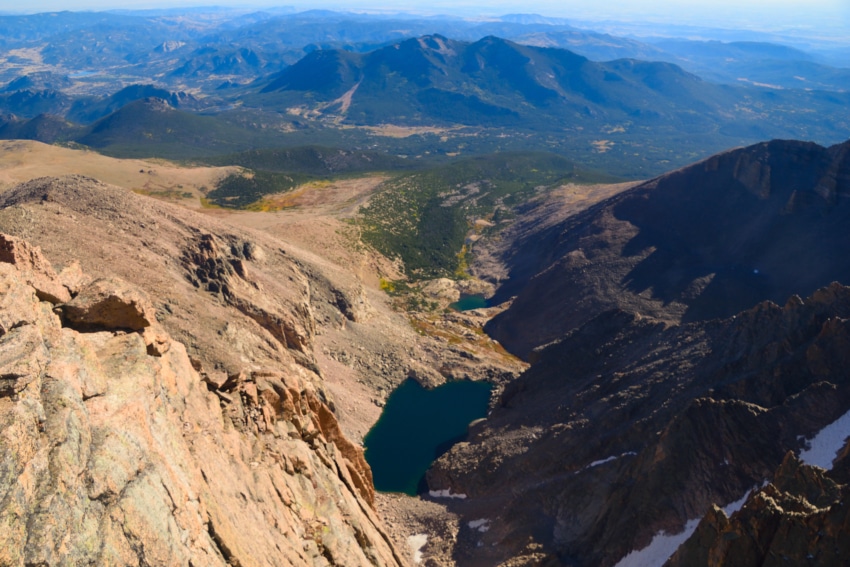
x: 416, y: 427
x: 467, y: 302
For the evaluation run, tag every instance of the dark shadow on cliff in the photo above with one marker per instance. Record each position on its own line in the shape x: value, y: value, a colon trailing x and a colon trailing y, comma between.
x: 759, y: 224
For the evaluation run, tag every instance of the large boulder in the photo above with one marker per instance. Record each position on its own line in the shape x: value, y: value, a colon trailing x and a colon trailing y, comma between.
x: 109, y: 304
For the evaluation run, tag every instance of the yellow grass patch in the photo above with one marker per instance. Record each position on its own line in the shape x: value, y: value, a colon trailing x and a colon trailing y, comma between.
x: 22, y: 160
x: 331, y: 196
x: 31, y: 54
x: 394, y: 131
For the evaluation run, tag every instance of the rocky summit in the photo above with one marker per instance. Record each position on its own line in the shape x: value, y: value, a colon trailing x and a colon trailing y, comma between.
x: 116, y: 451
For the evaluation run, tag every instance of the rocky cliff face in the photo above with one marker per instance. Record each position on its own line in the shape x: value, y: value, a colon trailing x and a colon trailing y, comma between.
x: 182, y: 417
x: 709, y: 240
x: 800, y: 518
x: 629, y: 427
x: 116, y: 451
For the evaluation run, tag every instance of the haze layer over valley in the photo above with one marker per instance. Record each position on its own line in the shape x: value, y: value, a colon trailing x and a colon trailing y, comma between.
x: 232, y: 240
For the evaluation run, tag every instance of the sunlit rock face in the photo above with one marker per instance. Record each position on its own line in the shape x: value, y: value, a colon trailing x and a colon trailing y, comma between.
x: 116, y: 451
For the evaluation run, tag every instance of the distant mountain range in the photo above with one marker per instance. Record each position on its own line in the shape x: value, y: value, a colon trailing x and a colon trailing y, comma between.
x: 642, y: 116
x: 496, y: 82
x: 517, y: 83
x: 148, y: 45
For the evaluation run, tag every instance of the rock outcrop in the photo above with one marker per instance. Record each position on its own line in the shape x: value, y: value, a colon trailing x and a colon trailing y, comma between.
x: 194, y: 269
x: 800, y: 518
x: 109, y: 304
x: 112, y: 452
x: 36, y: 271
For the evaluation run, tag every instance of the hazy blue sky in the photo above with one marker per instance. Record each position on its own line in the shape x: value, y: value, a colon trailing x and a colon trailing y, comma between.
x: 734, y: 13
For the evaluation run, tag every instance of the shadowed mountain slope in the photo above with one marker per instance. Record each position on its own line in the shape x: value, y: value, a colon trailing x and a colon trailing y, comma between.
x: 668, y: 386
x: 629, y: 427
x: 151, y: 126
x: 757, y: 223
x: 47, y: 128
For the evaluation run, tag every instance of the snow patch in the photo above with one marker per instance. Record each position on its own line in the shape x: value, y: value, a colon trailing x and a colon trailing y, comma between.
x: 602, y: 461
x: 445, y: 493
x: 733, y: 507
x: 663, y: 545
x: 823, y: 447
x: 481, y: 525
x: 416, y: 543
x: 606, y: 460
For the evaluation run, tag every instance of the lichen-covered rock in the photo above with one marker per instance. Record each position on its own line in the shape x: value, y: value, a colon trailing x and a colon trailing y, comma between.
x: 22, y: 358
x: 73, y: 278
x: 18, y: 300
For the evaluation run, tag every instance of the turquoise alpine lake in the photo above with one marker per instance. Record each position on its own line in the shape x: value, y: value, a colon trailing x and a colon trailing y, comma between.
x: 467, y: 302
x: 417, y: 426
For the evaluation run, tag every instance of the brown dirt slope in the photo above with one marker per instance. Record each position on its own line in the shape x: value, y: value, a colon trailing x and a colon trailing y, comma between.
x: 24, y: 160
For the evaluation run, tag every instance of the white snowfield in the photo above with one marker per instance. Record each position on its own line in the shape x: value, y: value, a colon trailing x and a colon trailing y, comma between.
x: 606, y: 460
x: 481, y: 525
x: 824, y: 446
x: 733, y: 507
